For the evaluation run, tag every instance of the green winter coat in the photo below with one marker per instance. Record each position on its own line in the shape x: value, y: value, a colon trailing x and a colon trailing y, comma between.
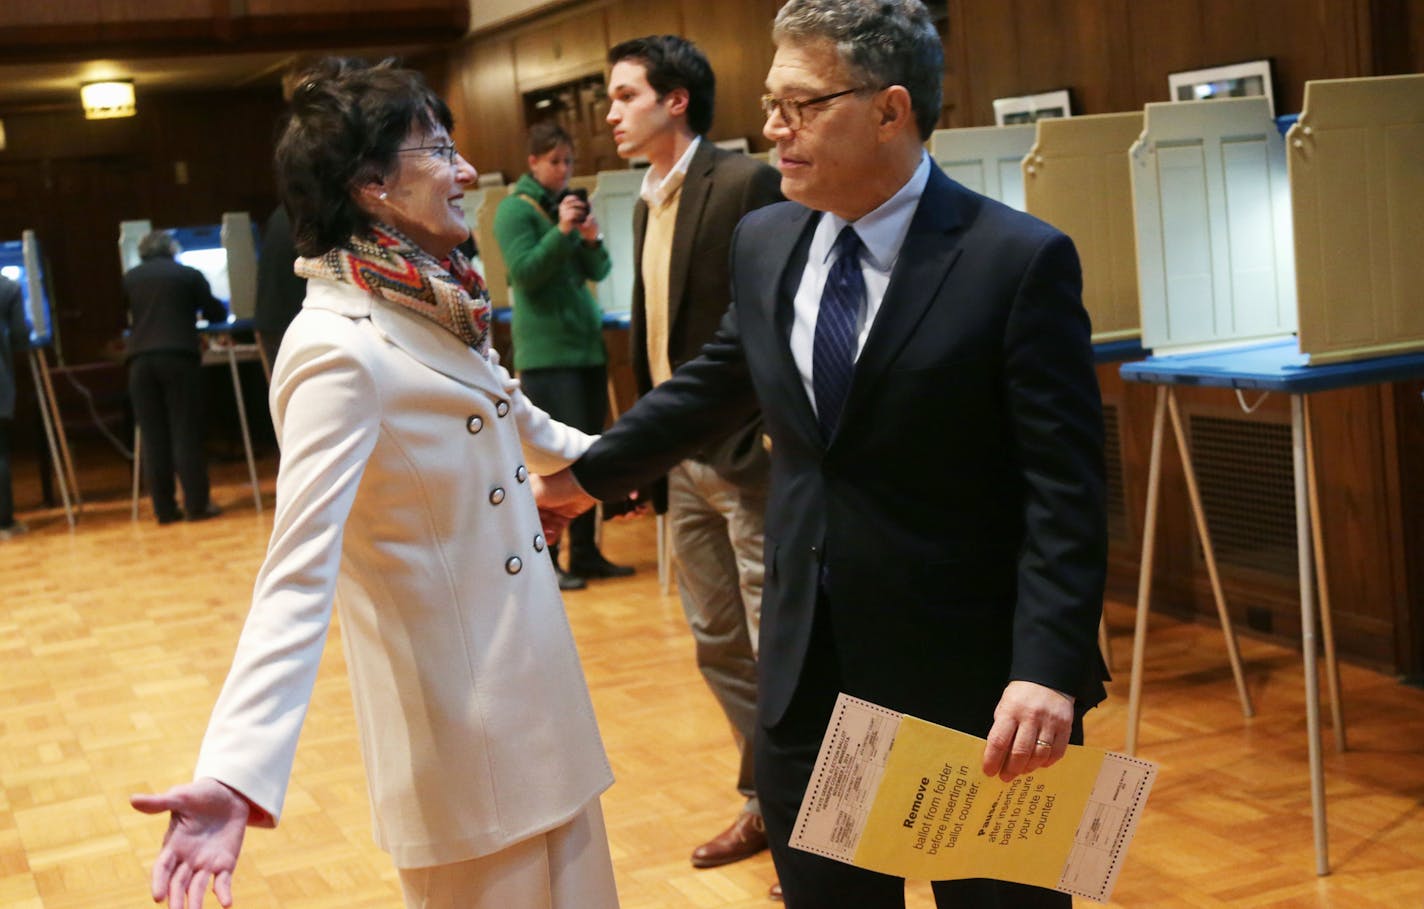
x: 557, y: 322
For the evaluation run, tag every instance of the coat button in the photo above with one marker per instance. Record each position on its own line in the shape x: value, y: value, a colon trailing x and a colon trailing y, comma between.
x: 521, y: 474
x: 513, y: 565
x: 496, y: 495
x: 475, y: 424
x: 502, y: 408
x: 538, y: 542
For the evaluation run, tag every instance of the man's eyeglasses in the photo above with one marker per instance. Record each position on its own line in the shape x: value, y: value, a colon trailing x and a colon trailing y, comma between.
x: 446, y: 151
x: 793, y: 112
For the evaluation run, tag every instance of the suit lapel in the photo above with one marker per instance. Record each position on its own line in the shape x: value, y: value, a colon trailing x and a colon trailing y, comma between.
x: 782, y: 260
x: 930, y: 250
x: 696, y: 187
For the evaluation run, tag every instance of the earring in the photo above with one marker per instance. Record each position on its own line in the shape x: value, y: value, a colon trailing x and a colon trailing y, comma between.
x: 383, y: 196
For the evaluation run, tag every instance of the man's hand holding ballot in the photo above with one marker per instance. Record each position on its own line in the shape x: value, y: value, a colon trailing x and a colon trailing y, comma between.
x: 901, y: 796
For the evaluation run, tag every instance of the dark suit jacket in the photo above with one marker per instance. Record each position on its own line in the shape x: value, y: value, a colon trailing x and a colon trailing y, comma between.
x: 166, y: 299
x: 954, y: 526
x: 279, y: 291
x: 14, y: 337
x: 720, y: 188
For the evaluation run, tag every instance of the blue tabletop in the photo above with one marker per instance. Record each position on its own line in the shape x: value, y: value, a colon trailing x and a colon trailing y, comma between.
x: 1118, y: 351
x: 1276, y: 366
x: 214, y: 328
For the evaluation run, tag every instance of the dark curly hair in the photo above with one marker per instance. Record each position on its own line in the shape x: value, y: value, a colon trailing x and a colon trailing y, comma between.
x: 673, y: 62
x: 346, y: 120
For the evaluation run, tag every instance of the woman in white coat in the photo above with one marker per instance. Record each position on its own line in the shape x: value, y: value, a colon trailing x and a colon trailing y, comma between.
x: 404, y: 497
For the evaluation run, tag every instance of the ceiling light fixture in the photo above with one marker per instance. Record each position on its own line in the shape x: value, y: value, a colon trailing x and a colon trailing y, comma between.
x: 106, y: 100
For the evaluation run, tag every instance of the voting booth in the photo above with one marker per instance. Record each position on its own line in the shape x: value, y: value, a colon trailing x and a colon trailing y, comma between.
x: 1278, y: 264
x: 226, y: 254
x: 986, y: 159
x: 1078, y: 177
x: 613, y: 200
x: 23, y: 262
x: 479, y: 206
x: 1356, y: 163
x: 1215, y: 258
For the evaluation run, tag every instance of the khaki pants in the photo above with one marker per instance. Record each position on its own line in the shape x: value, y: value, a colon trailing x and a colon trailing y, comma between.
x: 717, y: 533
x: 565, y: 868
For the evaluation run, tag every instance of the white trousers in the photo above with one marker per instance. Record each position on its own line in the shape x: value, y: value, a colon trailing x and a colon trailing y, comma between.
x: 565, y: 868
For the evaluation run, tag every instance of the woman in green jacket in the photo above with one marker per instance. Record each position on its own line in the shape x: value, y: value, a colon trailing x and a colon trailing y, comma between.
x: 552, y: 248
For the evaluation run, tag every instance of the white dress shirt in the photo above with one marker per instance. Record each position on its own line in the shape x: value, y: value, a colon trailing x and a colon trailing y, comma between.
x: 882, y: 233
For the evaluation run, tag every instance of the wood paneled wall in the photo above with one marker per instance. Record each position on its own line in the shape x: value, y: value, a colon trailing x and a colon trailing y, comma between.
x: 47, y: 29
x: 1115, y: 55
x: 489, y: 74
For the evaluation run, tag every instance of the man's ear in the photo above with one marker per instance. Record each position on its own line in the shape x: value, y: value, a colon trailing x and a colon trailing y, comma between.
x: 677, y: 101
x: 896, y: 111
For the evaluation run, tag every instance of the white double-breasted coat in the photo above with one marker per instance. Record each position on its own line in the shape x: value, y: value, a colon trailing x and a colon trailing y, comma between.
x: 403, y: 496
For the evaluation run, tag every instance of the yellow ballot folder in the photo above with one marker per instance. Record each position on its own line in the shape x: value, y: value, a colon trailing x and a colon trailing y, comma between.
x: 898, y: 795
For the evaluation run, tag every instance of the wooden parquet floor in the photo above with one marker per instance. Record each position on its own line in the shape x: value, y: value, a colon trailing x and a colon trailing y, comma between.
x: 115, y: 638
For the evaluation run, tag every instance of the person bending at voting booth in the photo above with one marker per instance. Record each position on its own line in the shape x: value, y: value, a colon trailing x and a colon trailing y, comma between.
x: 405, y: 497
x: 165, y: 300
x: 14, y: 338
x: 936, y: 538
x: 552, y: 247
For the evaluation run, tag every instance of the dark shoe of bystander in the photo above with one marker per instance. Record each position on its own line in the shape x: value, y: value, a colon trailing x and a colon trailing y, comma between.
x: 211, y: 511
x: 596, y: 566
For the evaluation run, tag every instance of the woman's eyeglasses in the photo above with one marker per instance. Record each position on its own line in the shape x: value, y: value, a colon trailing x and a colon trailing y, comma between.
x: 446, y: 151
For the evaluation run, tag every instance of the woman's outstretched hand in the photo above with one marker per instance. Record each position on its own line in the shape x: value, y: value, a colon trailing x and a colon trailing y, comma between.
x: 204, y: 836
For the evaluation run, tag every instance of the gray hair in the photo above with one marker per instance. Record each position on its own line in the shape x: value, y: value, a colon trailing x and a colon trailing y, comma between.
x: 157, y: 243
x: 881, y: 42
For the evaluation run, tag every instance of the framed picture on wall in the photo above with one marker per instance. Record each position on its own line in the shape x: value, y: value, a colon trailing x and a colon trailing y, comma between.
x: 1031, y: 108
x: 1238, y: 80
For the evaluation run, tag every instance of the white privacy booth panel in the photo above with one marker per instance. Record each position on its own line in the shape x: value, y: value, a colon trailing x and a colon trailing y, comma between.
x: 1078, y: 177
x: 480, y: 205
x: 471, y: 203
x: 613, y: 202
x: 1215, y: 260
x: 240, y: 244
x: 987, y: 159
x: 1357, y: 187
x: 130, y: 233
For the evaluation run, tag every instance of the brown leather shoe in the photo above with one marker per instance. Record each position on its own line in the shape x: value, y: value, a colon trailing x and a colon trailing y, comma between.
x: 775, y: 891
x: 745, y: 838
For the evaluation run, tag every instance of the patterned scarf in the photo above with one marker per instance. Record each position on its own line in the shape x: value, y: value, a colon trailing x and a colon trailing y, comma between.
x: 448, y: 292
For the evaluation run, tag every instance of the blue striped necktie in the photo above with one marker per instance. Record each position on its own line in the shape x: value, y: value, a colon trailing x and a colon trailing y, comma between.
x: 833, y: 355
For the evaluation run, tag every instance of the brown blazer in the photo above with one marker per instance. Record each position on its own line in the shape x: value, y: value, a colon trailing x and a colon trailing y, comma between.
x: 720, y: 188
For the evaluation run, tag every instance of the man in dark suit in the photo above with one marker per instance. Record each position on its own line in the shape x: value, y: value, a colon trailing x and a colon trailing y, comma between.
x: 935, y: 536
x: 279, y: 291
x: 14, y: 337
x: 661, y: 98
x: 166, y: 298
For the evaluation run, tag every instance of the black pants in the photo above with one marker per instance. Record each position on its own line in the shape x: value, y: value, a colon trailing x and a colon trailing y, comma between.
x: 578, y: 397
x: 785, y: 757
x: 167, y: 394
x: 7, y: 496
